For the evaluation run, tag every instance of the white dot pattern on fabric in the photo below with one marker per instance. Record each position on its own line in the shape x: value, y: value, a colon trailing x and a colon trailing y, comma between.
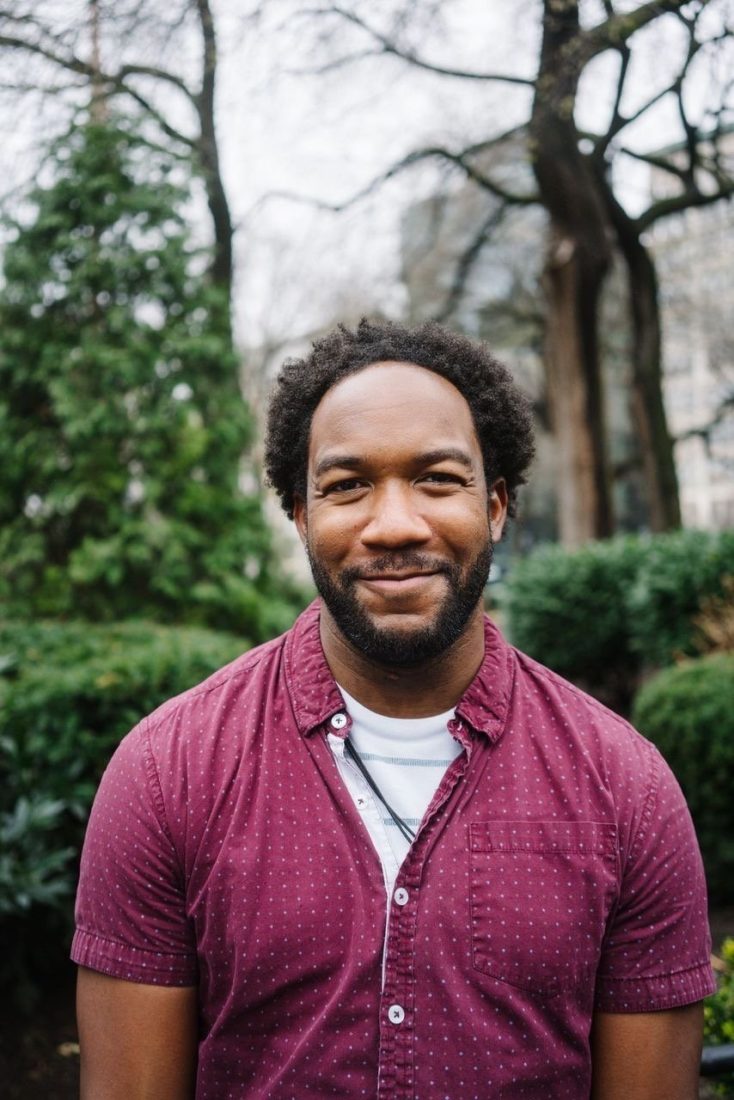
x: 555, y: 873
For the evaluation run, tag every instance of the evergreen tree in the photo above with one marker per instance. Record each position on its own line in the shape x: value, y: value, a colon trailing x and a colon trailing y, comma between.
x: 121, y: 422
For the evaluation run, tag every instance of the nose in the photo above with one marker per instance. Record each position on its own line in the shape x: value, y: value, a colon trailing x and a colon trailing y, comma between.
x: 394, y: 519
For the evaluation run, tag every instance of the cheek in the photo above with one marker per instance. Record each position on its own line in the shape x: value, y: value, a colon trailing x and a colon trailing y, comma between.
x: 332, y: 537
x: 465, y: 528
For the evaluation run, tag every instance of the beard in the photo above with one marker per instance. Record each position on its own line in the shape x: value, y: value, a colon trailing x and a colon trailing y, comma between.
x: 404, y: 648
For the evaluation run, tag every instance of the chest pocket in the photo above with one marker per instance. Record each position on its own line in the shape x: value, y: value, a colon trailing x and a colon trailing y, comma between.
x: 540, y: 895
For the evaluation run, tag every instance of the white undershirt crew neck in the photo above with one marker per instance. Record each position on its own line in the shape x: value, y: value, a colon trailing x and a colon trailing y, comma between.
x: 407, y: 759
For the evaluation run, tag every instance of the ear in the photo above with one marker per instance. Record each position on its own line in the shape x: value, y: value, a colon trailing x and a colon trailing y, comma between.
x: 299, y: 517
x: 497, y: 508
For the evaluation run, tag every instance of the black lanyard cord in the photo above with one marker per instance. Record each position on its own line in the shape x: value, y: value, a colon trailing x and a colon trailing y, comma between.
x: 405, y: 829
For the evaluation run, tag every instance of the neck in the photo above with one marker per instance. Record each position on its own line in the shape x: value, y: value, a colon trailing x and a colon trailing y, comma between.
x: 430, y: 688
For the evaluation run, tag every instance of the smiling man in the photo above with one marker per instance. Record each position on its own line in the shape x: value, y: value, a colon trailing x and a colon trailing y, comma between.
x: 387, y: 855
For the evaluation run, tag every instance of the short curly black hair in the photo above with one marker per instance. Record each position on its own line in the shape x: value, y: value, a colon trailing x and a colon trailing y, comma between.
x: 501, y: 412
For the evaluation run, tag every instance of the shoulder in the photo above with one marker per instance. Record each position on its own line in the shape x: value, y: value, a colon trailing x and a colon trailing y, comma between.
x: 604, y: 763
x: 600, y: 757
x: 246, y: 676
x: 195, y: 738
x: 585, y: 720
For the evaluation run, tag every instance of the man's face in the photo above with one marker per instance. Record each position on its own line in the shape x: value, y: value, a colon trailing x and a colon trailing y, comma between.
x: 398, y: 523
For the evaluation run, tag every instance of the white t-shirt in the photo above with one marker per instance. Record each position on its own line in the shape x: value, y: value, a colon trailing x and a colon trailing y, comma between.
x: 406, y: 758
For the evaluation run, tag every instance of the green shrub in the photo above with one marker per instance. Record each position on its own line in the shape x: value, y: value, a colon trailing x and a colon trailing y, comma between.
x: 676, y: 575
x: 68, y: 693
x: 688, y: 712
x: 602, y: 614
x: 36, y: 881
x: 31, y: 871
x: 718, y: 1014
x: 122, y: 424
x: 568, y: 610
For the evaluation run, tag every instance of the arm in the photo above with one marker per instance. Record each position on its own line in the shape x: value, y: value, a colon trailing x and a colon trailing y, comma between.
x: 138, y: 1042
x: 647, y: 1055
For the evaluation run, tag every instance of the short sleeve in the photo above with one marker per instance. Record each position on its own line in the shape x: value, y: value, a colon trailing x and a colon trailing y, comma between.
x: 130, y: 909
x: 656, y: 952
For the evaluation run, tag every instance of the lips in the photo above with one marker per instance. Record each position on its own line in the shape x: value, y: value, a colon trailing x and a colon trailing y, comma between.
x: 407, y: 576
x: 397, y: 583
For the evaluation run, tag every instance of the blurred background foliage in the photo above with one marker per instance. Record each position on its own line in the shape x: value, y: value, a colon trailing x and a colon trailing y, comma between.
x: 122, y: 427
x: 123, y: 434
x: 69, y: 691
x: 719, y: 1014
x: 608, y: 613
x: 688, y: 711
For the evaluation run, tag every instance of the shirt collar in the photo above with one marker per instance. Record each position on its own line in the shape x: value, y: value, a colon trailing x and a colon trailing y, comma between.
x: 316, y: 698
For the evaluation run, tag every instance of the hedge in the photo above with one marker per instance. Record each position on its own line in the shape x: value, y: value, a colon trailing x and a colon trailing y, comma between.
x: 567, y: 609
x: 688, y: 712
x: 677, y: 573
x: 718, y: 1009
x: 604, y: 614
x: 68, y: 693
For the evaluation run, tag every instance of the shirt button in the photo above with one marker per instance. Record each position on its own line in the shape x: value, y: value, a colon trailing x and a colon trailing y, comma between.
x: 339, y: 721
x: 396, y: 1014
x: 400, y: 897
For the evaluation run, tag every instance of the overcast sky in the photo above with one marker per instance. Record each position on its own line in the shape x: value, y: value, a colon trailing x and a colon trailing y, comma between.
x: 326, y: 136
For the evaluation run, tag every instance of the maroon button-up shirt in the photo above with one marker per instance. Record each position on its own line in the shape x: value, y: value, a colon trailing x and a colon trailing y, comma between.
x: 555, y: 873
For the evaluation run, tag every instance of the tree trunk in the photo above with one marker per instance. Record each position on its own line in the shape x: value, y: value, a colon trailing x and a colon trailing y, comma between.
x: 222, y: 268
x: 98, y: 105
x: 575, y: 396
x: 648, y: 408
x: 577, y: 262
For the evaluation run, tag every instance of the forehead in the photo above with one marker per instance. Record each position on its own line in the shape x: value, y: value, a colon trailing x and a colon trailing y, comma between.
x: 391, y: 403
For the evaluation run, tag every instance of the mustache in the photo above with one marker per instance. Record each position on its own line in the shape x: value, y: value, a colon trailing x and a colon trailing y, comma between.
x: 397, y: 563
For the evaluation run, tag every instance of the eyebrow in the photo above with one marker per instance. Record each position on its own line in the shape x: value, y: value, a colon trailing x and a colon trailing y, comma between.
x: 426, y: 458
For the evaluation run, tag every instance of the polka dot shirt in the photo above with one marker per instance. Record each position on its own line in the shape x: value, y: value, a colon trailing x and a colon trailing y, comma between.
x: 554, y: 873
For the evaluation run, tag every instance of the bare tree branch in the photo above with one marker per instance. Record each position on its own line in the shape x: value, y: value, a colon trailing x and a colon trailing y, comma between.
x: 675, y: 204
x: 23, y: 88
x: 332, y: 66
x: 389, y: 47
x: 705, y: 431
x: 70, y: 61
x: 617, y: 121
x: 416, y: 157
x: 625, y: 120
x: 690, y: 132
x: 656, y: 161
x: 468, y: 260
x: 157, y: 74
x: 619, y: 28
x: 169, y: 130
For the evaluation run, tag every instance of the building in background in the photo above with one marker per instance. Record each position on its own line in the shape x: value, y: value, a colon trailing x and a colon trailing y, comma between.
x: 693, y: 252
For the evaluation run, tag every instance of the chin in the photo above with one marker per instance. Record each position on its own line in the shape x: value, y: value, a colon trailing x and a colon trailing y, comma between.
x: 407, y: 647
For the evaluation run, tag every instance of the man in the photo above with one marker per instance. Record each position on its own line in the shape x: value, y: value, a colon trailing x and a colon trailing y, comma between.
x: 386, y: 854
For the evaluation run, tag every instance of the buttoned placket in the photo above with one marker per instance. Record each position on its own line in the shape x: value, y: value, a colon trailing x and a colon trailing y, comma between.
x: 397, y: 1003
x: 367, y: 805
x: 395, y: 1071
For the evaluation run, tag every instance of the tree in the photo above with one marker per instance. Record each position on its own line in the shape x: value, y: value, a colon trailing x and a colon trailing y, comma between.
x: 171, y: 96
x: 121, y: 420
x: 576, y: 177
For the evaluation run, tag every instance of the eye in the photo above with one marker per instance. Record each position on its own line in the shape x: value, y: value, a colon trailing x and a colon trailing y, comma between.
x: 440, y: 477
x: 346, y: 485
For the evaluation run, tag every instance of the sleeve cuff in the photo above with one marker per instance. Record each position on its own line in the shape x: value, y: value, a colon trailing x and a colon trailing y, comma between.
x: 654, y: 994
x: 132, y: 964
